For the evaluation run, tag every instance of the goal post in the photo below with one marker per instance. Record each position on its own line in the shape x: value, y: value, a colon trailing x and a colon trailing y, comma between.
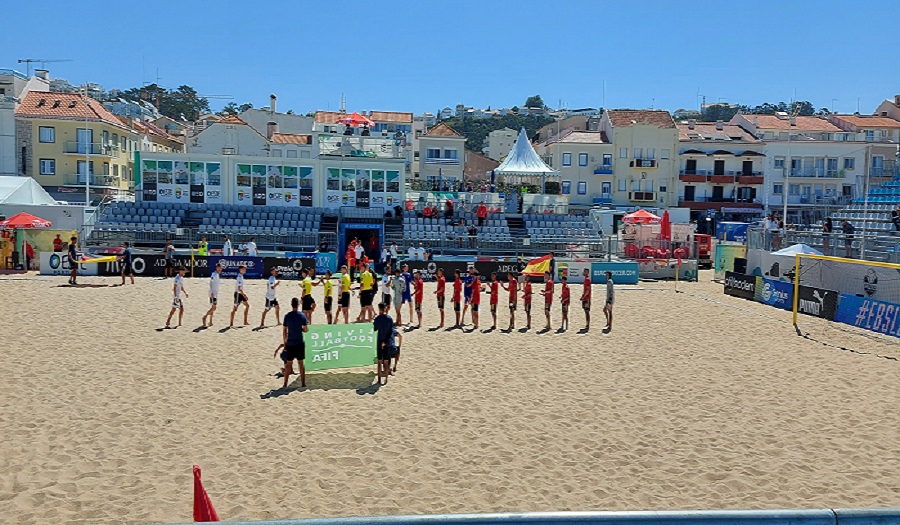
x: 822, y: 277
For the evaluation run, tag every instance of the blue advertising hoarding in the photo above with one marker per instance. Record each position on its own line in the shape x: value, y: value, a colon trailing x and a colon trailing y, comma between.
x: 732, y: 231
x: 324, y: 260
x: 877, y: 316
x: 622, y: 272
x: 774, y: 293
x: 230, y: 266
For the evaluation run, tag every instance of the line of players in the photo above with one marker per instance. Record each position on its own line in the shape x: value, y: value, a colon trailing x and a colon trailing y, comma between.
x: 399, y: 288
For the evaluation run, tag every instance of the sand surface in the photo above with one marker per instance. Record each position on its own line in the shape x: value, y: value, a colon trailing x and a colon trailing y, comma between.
x: 694, y: 400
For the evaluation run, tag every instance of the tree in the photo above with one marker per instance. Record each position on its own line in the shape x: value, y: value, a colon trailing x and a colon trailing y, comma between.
x: 514, y: 109
x: 686, y: 114
x: 477, y: 129
x: 534, y: 102
x: 182, y: 103
x: 716, y: 112
x: 230, y: 109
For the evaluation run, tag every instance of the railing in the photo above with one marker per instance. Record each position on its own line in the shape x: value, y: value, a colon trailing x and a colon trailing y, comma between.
x: 866, y: 245
x: 706, y: 198
x: 603, y: 170
x: 574, y: 248
x: 359, y: 146
x: 820, y: 173
x: 94, y: 148
x: 189, y: 237
x: 728, y: 173
x: 644, y: 196
x: 435, y: 160
x: 74, y: 179
x: 643, y: 163
x: 884, y: 171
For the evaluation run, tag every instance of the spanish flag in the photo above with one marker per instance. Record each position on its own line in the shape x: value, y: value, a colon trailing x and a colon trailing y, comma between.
x: 88, y: 258
x: 539, y: 266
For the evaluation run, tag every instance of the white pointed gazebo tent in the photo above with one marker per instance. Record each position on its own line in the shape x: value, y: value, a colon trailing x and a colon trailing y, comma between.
x: 524, y: 166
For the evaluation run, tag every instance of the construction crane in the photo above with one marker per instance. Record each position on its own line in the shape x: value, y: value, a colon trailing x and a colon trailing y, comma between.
x: 41, y: 61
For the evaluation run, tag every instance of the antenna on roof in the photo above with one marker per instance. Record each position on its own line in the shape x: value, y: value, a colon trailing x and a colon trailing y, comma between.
x: 343, y: 104
x: 41, y: 61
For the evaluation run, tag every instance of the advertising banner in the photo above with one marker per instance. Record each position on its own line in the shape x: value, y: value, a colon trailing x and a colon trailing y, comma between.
x: 429, y: 268
x: 877, y: 316
x: 339, y: 346
x: 740, y: 285
x: 573, y: 270
x: 153, y: 265
x: 622, y: 272
x: 774, y: 293
x: 288, y: 268
x: 725, y: 256
x: 818, y: 302
x: 198, y: 193
x: 230, y: 266
x: 486, y: 268
x: 324, y: 260
x: 732, y: 231
x: 305, y: 196
x: 57, y: 263
x: 149, y: 192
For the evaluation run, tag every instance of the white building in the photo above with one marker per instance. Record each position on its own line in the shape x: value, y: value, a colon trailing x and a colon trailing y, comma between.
x: 889, y: 108
x: 498, y: 143
x: 13, y: 88
x: 260, y: 118
x: 584, y: 160
x: 228, y: 136
x: 441, y: 157
x: 883, y: 136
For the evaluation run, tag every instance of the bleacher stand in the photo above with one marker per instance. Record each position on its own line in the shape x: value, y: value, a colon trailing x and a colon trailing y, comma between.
x: 874, y: 216
x: 417, y: 228
x: 552, y: 227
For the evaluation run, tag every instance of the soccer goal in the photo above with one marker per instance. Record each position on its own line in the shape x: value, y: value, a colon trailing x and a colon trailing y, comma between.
x: 838, y: 289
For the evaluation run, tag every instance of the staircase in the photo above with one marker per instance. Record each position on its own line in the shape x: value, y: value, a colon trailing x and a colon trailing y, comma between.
x: 516, y: 226
x: 192, y: 219
x: 329, y: 224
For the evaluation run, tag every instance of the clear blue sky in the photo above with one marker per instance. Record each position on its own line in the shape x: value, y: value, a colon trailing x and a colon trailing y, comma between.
x: 423, y: 55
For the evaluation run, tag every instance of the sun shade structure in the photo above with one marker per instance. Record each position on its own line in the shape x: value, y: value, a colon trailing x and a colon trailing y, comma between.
x: 641, y: 217
x: 524, y: 165
x: 23, y: 190
x: 798, y: 248
x: 24, y: 220
x: 356, y: 120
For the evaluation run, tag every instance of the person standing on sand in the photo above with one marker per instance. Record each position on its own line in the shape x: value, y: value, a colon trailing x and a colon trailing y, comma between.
x: 398, y: 287
x: 476, y: 298
x: 383, y: 326
x: 295, y: 324
x: 307, y: 301
x: 418, y: 295
x: 610, y: 299
x: 548, y: 296
x: 564, y: 299
x: 214, y: 281
x: 512, y: 286
x: 271, y: 299
x: 407, y: 293
x: 344, y: 299
x: 177, y: 288
x: 468, y: 282
x: 329, y: 293
x: 440, y: 293
x: 494, y: 292
x: 457, y: 295
x: 73, y: 257
x: 586, y: 298
x: 126, y: 260
x: 526, y: 300
x: 240, y: 296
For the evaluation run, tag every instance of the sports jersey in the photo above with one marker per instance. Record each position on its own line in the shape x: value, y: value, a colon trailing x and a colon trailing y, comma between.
x: 329, y: 288
x: 270, y: 289
x: 345, y: 283
x: 467, y: 281
x: 214, y: 284
x: 610, y: 291
x: 495, y: 292
x: 226, y: 249
x: 366, y: 281
x: 457, y: 290
x: 179, y: 285
x: 527, y: 295
x: 441, y: 286
x: 408, y: 278
x: 239, y: 283
x: 398, y: 286
x: 386, y: 284
x: 548, y: 292
x: 564, y: 296
x: 513, y: 290
x: 476, y: 291
x: 252, y: 251
x: 420, y: 290
x: 586, y: 294
x: 307, y: 286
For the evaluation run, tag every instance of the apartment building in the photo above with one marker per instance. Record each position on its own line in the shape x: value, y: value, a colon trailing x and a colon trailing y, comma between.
x: 499, y: 143
x: 720, y: 168
x: 13, y: 88
x: 69, y: 142
x: 584, y: 160
x: 882, y: 134
x: 441, y: 157
x: 645, y: 164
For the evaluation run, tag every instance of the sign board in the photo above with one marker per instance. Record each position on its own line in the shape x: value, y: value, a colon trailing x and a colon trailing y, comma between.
x: 57, y: 263
x: 817, y: 302
x: 774, y: 293
x: 622, y: 272
x: 740, y: 285
x: 288, y: 268
x: 339, y: 346
x: 324, y: 260
x: 877, y: 316
x: 230, y: 266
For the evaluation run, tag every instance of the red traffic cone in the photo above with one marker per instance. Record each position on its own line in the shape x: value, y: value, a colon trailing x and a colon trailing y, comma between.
x: 203, y: 508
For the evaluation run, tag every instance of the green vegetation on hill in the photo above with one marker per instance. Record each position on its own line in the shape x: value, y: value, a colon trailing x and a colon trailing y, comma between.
x: 476, y: 129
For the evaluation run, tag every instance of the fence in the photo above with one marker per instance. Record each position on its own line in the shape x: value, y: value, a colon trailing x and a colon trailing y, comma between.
x: 866, y: 246
x: 293, y: 241
x: 826, y: 516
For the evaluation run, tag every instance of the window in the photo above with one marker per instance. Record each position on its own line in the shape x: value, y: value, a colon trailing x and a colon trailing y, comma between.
x: 870, y: 134
x: 124, y: 144
x: 303, y: 154
x: 777, y: 189
x: 651, y: 153
x: 582, y: 188
x: 291, y: 154
x: 639, y: 153
x: 451, y: 154
x: 849, y: 163
x: 115, y: 139
x: 582, y: 159
x: 831, y: 166
x: 46, y: 134
x: 607, y: 189
x: 794, y: 189
x: 623, y: 185
x: 48, y: 166
x: 607, y: 159
x: 648, y: 185
x: 567, y: 159
x: 566, y: 187
x: 636, y: 185
x: 276, y: 152
x: 106, y: 168
x: 779, y: 163
x: 105, y: 138
x: 663, y: 188
x: 664, y: 154
x: 116, y: 170
x: 623, y: 153
x: 433, y: 153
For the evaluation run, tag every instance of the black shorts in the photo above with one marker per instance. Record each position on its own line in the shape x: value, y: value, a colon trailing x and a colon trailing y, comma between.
x: 328, y: 301
x: 456, y: 306
x: 512, y: 307
x: 126, y: 270
x: 271, y: 303
x: 474, y: 307
x: 213, y: 301
x: 586, y: 305
x: 527, y: 308
x: 293, y: 351
x: 565, y: 308
x: 383, y: 352
x: 308, y: 303
x: 441, y: 302
x: 345, y: 300
x: 176, y: 303
x: 365, y: 298
x: 386, y: 298
x: 239, y: 298
x: 169, y: 263
x: 493, y: 308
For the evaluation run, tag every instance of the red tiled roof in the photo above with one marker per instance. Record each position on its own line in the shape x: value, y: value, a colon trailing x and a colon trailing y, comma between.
x: 802, y: 123
x: 630, y: 117
x: 391, y: 117
x: 443, y: 130
x: 290, y: 138
x: 708, y: 131
x: 231, y: 119
x: 328, y: 117
x: 583, y: 137
x: 69, y: 106
x: 868, y: 121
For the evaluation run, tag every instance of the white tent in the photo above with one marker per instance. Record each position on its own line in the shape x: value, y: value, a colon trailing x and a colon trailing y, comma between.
x: 23, y: 190
x: 524, y: 164
x: 801, y: 248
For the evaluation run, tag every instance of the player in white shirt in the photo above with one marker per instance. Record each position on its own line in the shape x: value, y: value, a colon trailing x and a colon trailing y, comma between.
x: 240, y: 296
x: 177, y: 288
x: 226, y: 248
x: 386, y: 285
x: 271, y: 301
x: 359, y: 252
x: 214, y: 280
x: 252, y: 251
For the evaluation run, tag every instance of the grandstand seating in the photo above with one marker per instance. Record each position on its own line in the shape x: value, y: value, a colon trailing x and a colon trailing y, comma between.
x: 415, y: 228
x: 875, y: 215
x: 550, y: 226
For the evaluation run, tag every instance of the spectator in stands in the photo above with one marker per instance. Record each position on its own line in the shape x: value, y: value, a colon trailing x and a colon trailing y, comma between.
x: 226, y: 248
x: 426, y: 212
x: 827, y: 229
x: 473, y: 235
x: 203, y: 247
x: 482, y: 214
x: 420, y: 253
x: 253, y: 251
x: 895, y: 218
x: 448, y: 209
x: 429, y: 253
x: 57, y: 244
x: 412, y: 252
x: 169, y: 255
x: 848, y: 231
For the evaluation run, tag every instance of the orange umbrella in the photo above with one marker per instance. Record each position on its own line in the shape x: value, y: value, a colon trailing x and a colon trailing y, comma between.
x: 641, y: 217
x: 25, y: 220
x: 356, y: 120
x: 665, y: 228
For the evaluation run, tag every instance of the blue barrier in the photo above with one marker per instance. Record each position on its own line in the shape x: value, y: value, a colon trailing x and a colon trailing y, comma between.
x: 230, y: 266
x: 324, y: 260
x: 774, y: 293
x: 625, y: 272
x: 676, y: 517
x: 869, y: 314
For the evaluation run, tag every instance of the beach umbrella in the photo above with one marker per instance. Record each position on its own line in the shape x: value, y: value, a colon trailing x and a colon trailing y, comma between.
x: 665, y: 229
x: 641, y: 217
x: 798, y: 248
x: 356, y: 120
x: 24, y: 220
x: 203, y: 508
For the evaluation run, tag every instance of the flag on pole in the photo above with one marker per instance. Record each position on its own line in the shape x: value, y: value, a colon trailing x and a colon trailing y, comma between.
x: 203, y: 508
x: 538, y: 266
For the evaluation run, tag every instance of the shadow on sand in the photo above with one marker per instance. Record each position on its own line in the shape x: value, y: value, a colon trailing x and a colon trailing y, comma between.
x: 362, y: 382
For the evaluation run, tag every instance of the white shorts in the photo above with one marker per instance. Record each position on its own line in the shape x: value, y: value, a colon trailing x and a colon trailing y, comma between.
x: 176, y: 303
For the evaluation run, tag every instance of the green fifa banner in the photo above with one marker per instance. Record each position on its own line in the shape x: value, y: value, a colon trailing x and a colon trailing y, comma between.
x: 339, y: 346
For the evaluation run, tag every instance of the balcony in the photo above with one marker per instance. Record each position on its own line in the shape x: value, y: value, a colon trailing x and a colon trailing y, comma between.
x: 362, y: 147
x: 78, y: 179
x: 889, y: 170
x: 95, y: 148
x: 817, y: 173
x: 603, y: 170
x: 642, y: 196
x: 643, y: 163
x: 441, y: 161
x: 751, y: 179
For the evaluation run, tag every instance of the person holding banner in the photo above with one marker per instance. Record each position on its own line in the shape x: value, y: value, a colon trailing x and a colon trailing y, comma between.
x: 457, y: 295
x: 240, y: 297
x: 512, y: 286
x: 383, y: 326
x: 344, y: 301
x: 177, y: 288
x: 271, y: 300
x: 295, y: 324
x: 398, y: 287
x: 586, y: 298
x: 73, y: 256
x: 440, y: 292
x: 214, y: 280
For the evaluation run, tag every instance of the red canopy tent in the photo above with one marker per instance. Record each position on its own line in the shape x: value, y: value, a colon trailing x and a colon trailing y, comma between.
x: 24, y: 220
x: 356, y: 120
x: 641, y: 217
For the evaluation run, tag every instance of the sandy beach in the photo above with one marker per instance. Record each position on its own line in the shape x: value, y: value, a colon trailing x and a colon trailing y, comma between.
x: 694, y: 400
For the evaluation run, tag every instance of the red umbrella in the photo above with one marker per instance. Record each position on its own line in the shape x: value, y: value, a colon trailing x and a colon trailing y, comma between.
x: 665, y: 228
x: 641, y: 217
x: 356, y: 120
x: 203, y: 509
x: 24, y: 220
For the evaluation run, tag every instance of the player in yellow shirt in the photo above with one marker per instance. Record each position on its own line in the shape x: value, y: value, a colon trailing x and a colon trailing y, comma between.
x: 309, y: 304
x: 344, y: 301
x: 329, y: 293
x: 366, y: 295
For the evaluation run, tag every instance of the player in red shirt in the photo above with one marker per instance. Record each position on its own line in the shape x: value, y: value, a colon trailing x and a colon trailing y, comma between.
x: 564, y: 299
x: 495, y: 298
x: 586, y: 299
x: 476, y: 298
x: 457, y: 295
x: 526, y: 300
x: 548, y: 296
x: 418, y: 294
x: 441, y: 287
x: 512, y: 286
